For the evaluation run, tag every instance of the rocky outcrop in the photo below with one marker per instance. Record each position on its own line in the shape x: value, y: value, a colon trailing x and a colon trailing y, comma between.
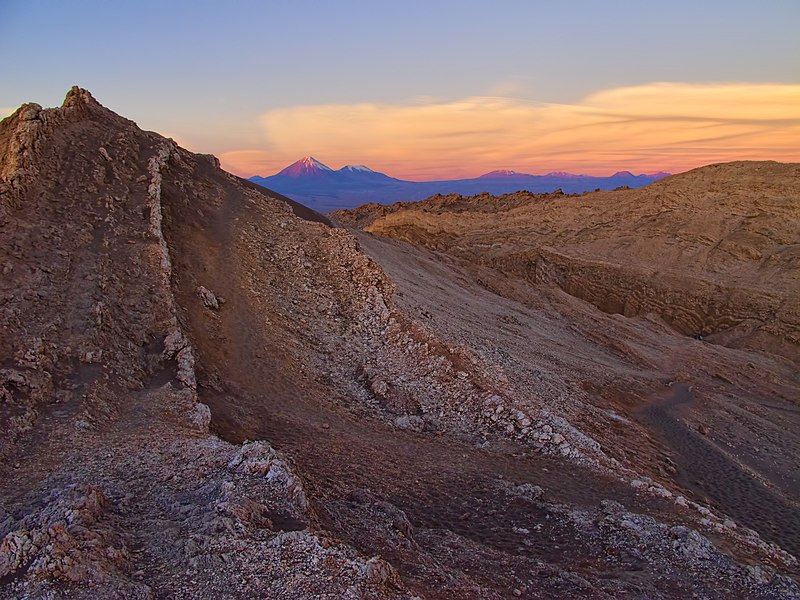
x: 70, y: 540
x: 88, y: 295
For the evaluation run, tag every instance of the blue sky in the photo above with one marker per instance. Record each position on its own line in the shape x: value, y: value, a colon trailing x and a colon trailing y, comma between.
x: 214, y: 75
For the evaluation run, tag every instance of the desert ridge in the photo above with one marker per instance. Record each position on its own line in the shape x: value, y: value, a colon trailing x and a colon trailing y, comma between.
x: 211, y: 390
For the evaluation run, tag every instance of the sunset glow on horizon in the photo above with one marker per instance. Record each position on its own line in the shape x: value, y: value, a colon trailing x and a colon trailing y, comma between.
x: 657, y: 127
x: 423, y: 90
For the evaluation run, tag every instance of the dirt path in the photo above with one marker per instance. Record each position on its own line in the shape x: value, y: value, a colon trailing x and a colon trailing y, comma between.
x: 717, y: 478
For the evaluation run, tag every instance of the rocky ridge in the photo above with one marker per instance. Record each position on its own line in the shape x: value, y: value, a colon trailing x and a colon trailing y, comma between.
x: 113, y: 484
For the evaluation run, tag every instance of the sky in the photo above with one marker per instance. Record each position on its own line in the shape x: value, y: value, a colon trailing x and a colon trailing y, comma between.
x: 426, y: 90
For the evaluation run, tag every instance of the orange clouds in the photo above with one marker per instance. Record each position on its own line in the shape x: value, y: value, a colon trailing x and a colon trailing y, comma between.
x: 660, y: 126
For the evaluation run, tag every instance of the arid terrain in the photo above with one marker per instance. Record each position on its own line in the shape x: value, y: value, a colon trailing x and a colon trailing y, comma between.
x: 209, y: 391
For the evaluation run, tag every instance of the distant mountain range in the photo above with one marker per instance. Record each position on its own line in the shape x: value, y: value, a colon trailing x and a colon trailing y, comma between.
x: 316, y: 185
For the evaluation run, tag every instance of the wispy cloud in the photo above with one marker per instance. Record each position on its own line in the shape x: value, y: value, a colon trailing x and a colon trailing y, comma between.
x: 671, y: 126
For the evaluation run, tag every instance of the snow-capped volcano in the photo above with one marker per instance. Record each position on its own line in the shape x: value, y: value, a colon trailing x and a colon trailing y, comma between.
x: 500, y: 173
x: 305, y: 167
x: 562, y: 175
x: 355, y: 169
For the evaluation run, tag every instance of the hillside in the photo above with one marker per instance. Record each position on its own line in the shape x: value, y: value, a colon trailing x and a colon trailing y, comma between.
x: 208, y: 390
x: 713, y: 252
